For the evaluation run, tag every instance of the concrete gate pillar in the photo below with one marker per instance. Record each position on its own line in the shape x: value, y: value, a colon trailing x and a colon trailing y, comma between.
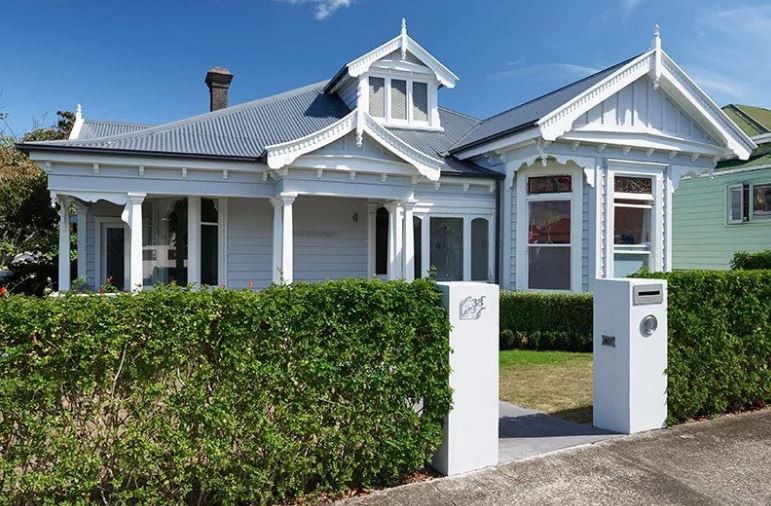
x: 471, y: 428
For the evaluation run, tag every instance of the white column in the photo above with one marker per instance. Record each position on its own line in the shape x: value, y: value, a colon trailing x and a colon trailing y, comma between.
x: 394, y: 240
x: 425, y: 246
x: 194, y: 240
x: 372, y: 208
x: 283, y: 230
x: 133, y: 216
x: 82, y: 239
x: 409, y: 242
x: 64, y: 244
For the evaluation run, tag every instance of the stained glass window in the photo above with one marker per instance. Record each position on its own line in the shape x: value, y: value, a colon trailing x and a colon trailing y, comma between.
x: 549, y: 184
x: 630, y: 184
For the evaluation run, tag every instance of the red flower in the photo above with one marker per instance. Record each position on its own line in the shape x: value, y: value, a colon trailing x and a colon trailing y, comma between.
x: 101, y: 290
x: 3, y: 291
x: 251, y: 285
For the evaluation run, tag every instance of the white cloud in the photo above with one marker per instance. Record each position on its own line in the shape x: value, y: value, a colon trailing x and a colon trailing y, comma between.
x: 544, y: 71
x: 322, y: 9
x: 628, y: 6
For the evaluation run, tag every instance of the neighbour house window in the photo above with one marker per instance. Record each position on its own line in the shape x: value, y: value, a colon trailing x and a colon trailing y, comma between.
x: 480, y: 249
x: 209, y: 242
x: 761, y: 201
x: 632, y: 224
x: 381, y: 241
x: 398, y: 99
x: 164, y: 241
x: 377, y: 97
x: 420, y: 101
x: 417, y: 234
x: 446, y: 235
x: 549, y: 232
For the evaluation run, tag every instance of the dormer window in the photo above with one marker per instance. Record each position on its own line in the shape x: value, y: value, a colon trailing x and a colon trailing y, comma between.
x: 377, y: 97
x: 401, y: 102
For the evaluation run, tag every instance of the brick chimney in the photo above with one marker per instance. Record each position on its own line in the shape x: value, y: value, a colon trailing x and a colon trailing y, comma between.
x: 218, y: 80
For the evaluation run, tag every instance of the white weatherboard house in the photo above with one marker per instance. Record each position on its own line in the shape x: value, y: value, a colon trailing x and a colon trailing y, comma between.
x: 367, y: 175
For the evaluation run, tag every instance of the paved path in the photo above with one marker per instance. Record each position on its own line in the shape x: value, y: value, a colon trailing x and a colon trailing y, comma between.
x: 722, y: 461
x: 526, y: 433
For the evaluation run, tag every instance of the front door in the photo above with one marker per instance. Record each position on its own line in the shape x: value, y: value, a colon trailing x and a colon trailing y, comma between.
x: 114, y: 249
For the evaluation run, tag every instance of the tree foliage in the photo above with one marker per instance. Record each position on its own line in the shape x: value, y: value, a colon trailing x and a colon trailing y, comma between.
x: 27, y: 220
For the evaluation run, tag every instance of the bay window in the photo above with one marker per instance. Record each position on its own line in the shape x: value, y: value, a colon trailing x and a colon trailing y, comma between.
x: 549, y: 232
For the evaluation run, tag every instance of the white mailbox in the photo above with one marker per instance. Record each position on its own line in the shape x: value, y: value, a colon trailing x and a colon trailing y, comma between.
x: 630, y: 354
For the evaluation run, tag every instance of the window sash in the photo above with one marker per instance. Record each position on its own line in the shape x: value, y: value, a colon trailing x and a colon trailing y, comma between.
x: 734, y: 192
x: 758, y: 197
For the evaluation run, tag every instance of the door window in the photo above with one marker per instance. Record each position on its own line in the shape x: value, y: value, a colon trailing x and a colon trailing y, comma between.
x: 447, y: 248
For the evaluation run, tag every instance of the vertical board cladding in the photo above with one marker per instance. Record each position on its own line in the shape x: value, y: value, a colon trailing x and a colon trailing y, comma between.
x: 512, y: 253
x: 701, y: 235
x: 330, y: 238
x: 585, y: 235
x: 96, y: 210
x: 250, y: 242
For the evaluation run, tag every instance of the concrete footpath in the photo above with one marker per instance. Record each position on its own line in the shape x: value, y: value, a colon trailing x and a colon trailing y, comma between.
x: 721, y: 461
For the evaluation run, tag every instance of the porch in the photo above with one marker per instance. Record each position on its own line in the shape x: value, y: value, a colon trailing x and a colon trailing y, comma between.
x: 135, y: 240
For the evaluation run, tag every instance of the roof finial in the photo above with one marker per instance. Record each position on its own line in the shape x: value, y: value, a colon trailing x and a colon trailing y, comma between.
x: 404, y: 26
x: 78, y: 112
x: 657, y: 37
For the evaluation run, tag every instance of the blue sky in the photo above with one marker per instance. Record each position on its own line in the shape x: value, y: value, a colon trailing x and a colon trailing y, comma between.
x: 145, y: 61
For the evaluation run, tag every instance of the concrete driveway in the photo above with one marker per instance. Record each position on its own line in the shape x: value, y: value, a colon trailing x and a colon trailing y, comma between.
x: 721, y: 461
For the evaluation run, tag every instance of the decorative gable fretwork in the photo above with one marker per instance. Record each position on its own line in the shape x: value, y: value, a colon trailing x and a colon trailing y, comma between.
x: 282, y: 155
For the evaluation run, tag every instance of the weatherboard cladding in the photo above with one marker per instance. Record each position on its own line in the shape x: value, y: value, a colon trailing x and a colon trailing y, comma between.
x: 527, y: 114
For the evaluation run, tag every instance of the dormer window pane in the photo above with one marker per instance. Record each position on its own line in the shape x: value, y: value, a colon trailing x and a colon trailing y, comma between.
x: 420, y: 101
x: 398, y: 99
x: 377, y: 97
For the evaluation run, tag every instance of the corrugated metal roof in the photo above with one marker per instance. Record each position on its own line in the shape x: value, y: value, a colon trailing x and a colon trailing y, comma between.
x: 239, y: 131
x: 243, y: 131
x: 527, y: 114
x: 92, y: 129
x: 751, y: 119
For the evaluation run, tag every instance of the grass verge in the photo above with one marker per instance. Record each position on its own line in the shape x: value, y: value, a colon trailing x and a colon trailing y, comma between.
x: 555, y: 382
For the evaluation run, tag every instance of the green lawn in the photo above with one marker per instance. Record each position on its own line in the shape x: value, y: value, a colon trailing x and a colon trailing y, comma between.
x: 555, y: 382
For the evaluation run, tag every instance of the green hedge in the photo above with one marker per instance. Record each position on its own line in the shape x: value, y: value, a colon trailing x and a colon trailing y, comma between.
x: 546, y: 321
x: 220, y: 396
x: 743, y: 260
x: 719, y: 341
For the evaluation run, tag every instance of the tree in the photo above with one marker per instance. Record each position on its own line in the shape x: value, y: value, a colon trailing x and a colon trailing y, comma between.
x: 28, y: 223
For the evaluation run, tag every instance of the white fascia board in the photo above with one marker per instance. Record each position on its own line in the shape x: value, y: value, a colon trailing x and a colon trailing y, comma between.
x: 502, y: 145
x: 363, y: 63
x: 739, y: 143
x: 559, y: 121
x: 134, y: 161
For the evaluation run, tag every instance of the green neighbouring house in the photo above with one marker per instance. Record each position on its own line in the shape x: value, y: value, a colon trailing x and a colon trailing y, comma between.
x: 718, y: 214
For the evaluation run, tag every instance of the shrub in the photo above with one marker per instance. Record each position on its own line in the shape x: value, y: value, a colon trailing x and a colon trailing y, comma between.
x: 743, y: 260
x: 719, y: 341
x: 546, y: 321
x: 220, y: 396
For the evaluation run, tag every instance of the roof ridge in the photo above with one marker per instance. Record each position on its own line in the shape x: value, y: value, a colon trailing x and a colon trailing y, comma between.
x: 749, y: 118
x: 606, y: 69
x: 192, y: 119
x: 458, y: 113
x: 125, y: 123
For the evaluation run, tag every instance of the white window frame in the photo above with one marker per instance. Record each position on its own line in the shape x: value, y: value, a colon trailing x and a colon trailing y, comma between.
x: 575, y: 197
x: 101, y: 223
x: 729, y: 207
x: 657, y: 213
x: 410, y: 122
